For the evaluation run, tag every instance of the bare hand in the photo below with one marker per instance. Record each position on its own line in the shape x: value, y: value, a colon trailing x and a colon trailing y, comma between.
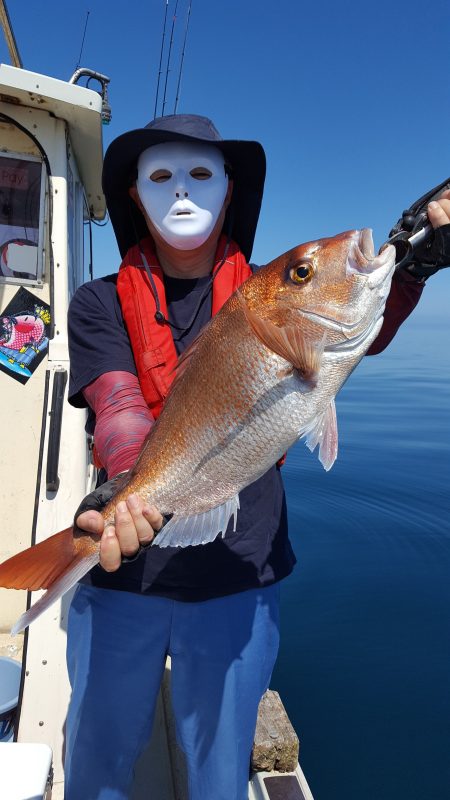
x: 439, y: 210
x: 135, y: 524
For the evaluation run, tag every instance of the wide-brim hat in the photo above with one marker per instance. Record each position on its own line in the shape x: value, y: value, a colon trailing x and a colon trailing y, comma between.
x: 248, y: 170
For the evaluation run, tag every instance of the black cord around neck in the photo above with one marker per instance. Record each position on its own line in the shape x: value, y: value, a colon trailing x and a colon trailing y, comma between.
x: 159, y: 315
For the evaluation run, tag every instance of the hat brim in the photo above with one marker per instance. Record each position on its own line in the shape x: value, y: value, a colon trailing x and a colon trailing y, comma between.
x: 248, y: 162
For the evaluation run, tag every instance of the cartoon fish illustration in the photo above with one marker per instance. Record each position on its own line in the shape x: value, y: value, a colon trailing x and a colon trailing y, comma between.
x: 21, y: 330
x: 264, y: 373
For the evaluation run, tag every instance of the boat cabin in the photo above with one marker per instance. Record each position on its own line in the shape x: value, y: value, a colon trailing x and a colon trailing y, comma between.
x: 50, y: 190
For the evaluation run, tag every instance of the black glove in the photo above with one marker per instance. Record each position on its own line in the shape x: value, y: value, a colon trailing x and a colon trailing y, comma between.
x: 98, y: 499
x: 432, y: 252
x: 432, y: 256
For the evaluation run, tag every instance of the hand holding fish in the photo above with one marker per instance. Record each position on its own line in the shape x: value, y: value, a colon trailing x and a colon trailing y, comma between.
x: 135, y: 524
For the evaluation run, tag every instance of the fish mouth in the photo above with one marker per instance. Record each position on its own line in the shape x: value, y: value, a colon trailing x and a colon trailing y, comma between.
x: 361, y: 258
x: 364, y: 245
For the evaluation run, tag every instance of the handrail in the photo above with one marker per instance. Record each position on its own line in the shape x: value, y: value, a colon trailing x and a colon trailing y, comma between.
x: 54, y: 435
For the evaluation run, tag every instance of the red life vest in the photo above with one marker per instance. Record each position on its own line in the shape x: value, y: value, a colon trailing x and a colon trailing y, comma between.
x: 152, y: 341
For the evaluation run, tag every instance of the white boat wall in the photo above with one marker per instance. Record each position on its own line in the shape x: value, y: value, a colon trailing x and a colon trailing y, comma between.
x: 50, y: 181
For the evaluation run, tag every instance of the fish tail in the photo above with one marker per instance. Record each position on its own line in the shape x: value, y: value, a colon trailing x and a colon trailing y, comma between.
x: 53, y: 564
x: 38, y: 566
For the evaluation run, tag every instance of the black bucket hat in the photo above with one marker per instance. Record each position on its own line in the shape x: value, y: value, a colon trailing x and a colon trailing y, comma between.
x: 246, y: 160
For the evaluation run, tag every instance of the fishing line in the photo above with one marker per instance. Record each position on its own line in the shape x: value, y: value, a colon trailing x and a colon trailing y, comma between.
x: 161, y: 58
x: 82, y: 41
x: 169, y: 55
x: 182, y: 56
x: 159, y: 315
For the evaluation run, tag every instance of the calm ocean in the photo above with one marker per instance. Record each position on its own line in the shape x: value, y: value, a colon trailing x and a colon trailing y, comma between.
x: 364, y: 666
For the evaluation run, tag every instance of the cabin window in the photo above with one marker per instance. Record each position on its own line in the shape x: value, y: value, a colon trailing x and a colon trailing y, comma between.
x: 22, y: 192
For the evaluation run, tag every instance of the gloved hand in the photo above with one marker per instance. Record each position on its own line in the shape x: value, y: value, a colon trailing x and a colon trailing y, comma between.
x: 135, y: 524
x: 98, y: 499
x: 434, y: 255
x: 424, y: 259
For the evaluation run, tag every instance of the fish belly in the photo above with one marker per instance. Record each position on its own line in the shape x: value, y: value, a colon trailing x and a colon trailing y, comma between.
x: 245, y: 450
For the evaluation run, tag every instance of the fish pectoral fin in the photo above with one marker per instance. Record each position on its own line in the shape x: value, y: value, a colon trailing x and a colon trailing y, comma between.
x: 198, y: 528
x: 323, y: 432
x: 289, y: 342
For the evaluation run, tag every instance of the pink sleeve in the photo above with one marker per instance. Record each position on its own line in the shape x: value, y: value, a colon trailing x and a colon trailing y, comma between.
x: 122, y: 422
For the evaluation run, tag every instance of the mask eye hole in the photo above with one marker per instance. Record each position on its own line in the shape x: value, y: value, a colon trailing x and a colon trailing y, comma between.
x: 201, y: 173
x: 160, y: 175
x: 302, y: 272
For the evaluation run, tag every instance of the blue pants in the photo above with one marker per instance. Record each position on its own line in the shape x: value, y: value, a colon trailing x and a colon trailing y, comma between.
x: 223, y: 652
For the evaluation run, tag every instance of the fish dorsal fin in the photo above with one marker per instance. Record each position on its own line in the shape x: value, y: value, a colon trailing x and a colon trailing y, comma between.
x: 323, y: 432
x: 289, y: 342
x: 198, y: 528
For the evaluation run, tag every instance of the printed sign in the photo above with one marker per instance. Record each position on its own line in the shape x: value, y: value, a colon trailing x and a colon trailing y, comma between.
x: 24, y: 332
x: 14, y: 177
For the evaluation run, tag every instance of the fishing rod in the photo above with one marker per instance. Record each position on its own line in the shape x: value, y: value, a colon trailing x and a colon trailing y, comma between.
x: 182, y: 56
x: 169, y: 55
x: 161, y: 57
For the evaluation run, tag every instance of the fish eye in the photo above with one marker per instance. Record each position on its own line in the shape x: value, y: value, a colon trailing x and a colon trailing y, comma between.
x: 200, y: 173
x: 160, y: 175
x: 302, y: 272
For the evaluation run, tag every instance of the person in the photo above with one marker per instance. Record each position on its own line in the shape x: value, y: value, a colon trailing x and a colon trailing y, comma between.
x: 184, y: 204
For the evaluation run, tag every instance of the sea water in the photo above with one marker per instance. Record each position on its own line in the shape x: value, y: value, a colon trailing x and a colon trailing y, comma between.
x: 364, y: 666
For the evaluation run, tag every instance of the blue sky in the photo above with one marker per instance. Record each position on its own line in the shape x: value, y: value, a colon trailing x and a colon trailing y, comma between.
x: 351, y: 100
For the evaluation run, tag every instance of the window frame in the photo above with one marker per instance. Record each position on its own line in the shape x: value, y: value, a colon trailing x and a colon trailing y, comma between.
x: 40, y: 271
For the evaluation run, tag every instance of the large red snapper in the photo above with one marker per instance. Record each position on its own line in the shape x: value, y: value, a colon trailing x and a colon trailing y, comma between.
x: 264, y: 373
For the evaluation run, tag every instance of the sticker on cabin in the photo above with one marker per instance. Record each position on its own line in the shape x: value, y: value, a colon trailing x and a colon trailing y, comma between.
x: 24, y: 332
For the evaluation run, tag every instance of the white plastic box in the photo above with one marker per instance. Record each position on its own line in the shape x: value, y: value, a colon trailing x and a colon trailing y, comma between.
x: 25, y: 771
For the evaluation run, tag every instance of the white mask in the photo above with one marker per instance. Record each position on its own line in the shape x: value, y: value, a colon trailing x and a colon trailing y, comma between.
x: 182, y: 186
